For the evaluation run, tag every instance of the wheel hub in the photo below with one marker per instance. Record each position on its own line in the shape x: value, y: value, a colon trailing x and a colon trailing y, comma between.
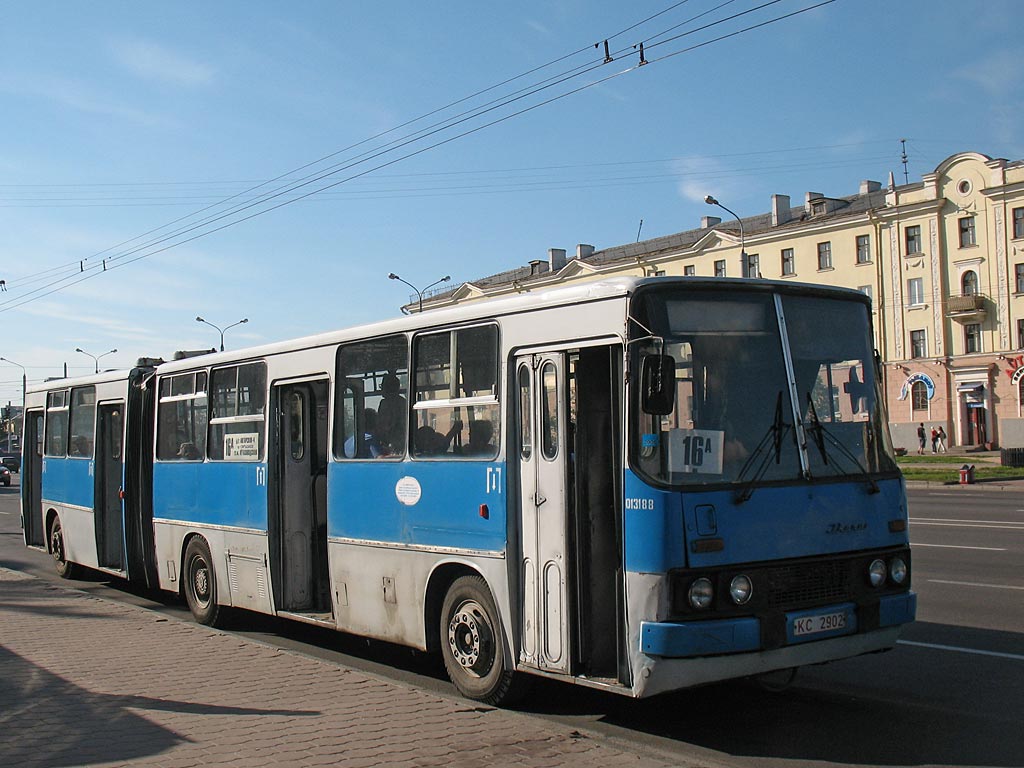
x: 470, y: 638
x: 201, y: 581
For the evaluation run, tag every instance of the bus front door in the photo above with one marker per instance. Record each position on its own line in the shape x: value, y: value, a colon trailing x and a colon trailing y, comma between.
x: 543, y: 457
x: 32, y: 479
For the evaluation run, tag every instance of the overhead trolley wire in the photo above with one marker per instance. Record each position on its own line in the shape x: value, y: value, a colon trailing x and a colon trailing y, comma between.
x: 122, y: 259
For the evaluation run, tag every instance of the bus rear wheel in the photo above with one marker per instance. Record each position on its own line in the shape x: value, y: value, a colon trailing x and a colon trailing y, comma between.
x: 473, y: 645
x: 65, y: 568
x: 200, y: 582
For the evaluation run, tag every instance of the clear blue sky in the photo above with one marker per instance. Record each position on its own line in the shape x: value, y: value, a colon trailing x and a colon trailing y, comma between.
x: 119, y: 117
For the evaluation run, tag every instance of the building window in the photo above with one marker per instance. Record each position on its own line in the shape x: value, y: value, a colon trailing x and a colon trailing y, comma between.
x: 689, y: 270
x: 972, y: 338
x: 867, y: 291
x: 1020, y: 335
x: 915, y: 292
x: 1018, y: 222
x: 967, y: 232
x: 1020, y: 391
x: 969, y: 283
x: 1019, y: 284
x: 913, y: 237
x: 750, y: 265
x: 863, y: 249
x: 825, y: 255
x: 788, y: 264
x: 919, y: 396
x: 720, y: 268
x: 918, y: 344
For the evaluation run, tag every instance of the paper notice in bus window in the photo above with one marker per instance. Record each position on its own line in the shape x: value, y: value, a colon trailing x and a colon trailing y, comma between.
x: 697, y: 451
x: 243, y: 446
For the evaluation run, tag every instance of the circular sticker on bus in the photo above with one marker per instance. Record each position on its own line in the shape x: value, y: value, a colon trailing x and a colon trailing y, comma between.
x: 408, y: 491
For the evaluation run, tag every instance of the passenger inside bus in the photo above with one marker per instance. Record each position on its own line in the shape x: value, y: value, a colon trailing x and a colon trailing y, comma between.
x: 481, y: 432
x: 430, y: 442
x: 391, y: 415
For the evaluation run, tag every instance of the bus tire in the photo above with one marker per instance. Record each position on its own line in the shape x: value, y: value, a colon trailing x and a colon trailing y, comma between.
x: 200, y: 582
x: 473, y: 645
x: 65, y: 568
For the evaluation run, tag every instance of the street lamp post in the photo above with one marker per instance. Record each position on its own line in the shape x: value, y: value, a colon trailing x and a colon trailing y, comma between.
x: 221, y: 330
x: 24, y: 386
x: 743, y: 251
x: 445, y: 279
x: 95, y: 358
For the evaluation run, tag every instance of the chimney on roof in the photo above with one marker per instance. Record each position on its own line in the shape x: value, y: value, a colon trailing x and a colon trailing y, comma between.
x: 808, y: 198
x: 556, y: 258
x: 780, y: 209
x: 868, y: 186
x: 706, y: 222
x: 584, y: 251
x: 535, y: 266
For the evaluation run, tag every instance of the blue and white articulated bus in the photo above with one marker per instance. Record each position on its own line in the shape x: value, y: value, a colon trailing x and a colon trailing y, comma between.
x: 636, y: 484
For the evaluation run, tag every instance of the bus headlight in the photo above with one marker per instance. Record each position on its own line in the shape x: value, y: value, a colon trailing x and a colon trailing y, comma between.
x: 701, y: 593
x: 876, y: 573
x: 740, y: 589
x: 897, y: 570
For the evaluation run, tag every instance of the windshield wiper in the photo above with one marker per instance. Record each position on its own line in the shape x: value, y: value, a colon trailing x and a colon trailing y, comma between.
x: 772, y: 437
x: 819, y: 433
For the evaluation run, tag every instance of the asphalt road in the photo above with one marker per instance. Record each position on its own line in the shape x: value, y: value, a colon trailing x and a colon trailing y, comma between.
x: 951, y: 694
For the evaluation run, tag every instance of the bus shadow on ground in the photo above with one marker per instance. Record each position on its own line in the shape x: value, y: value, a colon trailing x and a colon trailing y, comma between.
x: 905, y: 707
x: 49, y: 721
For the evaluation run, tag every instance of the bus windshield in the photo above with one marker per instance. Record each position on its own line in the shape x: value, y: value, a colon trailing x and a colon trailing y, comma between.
x: 732, y: 418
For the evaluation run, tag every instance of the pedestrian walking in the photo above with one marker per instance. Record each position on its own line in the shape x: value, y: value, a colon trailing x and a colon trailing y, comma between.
x: 922, y: 436
x: 935, y: 440
x: 942, y: 440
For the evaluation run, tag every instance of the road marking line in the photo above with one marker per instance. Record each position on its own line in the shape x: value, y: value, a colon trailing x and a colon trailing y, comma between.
x: 958, y: 546
x: 975, y: 651
x: 1007, y: 527
x: 954, y: 519
x: 974, y: 584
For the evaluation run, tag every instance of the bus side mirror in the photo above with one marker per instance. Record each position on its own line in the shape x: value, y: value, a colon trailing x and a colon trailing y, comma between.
x: 658, y: 379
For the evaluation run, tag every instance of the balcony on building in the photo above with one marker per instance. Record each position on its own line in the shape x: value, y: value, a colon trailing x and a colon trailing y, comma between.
x: 966, y: 308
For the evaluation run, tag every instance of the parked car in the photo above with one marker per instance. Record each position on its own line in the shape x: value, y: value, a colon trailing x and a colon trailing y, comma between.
x: 5, y: 476
x: 13, y: 463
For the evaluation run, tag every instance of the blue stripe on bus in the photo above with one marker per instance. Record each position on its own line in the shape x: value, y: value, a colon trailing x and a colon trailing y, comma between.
x: 661, y: 527
x: 214, y: 493
x: 897, y: 609
x: 363, y: 503
x: 700, y: 638
x: 68, y: 481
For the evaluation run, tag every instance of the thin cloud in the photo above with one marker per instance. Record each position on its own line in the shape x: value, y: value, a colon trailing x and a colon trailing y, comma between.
x: 75, y: 95
x: 997, y: 74
x: 151, y: 61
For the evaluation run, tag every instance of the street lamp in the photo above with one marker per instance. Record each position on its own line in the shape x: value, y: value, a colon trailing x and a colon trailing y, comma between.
x: 743, y: 252
x: 24, y: 383
x: 445, y: 279
x: 221, y: 330
x: 95, y: 358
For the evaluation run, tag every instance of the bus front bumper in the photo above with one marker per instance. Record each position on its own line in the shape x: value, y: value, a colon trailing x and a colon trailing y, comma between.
x: 714, y: 637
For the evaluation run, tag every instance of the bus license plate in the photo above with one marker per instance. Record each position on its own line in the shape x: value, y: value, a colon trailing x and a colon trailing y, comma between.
x: 825, y: 622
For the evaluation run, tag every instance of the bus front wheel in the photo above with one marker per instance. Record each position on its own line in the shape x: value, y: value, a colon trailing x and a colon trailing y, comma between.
x: 473, y: 645
x: 65, y: 568
x: 201, y: 582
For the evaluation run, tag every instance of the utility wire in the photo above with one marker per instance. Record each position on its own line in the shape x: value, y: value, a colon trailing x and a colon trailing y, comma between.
x: 11, y: 304
x: 324, y: 158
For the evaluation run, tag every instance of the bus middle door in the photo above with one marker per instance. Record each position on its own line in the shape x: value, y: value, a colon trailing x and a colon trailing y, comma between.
x: 540, y: 380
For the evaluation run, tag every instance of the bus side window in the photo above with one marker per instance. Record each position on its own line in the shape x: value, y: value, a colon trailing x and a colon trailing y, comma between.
x: 373, y: 412
x: 456, y: 412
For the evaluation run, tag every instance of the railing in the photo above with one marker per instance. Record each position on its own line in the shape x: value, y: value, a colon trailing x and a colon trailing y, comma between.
x: 970, y: 303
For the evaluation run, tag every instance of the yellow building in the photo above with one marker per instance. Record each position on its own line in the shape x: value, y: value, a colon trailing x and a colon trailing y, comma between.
x: 942, y: 259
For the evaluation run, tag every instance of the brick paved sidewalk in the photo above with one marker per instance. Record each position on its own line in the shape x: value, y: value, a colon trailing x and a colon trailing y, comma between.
x: 88, y: 681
